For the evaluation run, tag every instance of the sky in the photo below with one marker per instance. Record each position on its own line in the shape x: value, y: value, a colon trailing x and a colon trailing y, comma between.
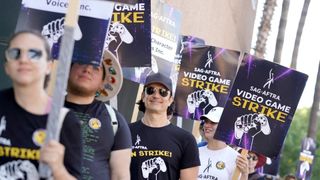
x: 309, y: 51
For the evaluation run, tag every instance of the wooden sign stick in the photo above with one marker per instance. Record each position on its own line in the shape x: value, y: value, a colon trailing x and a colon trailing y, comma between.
x: 65, y: 58
x: 236, y: 174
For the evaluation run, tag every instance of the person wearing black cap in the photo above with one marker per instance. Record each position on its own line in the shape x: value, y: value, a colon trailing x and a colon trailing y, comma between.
x: 107, y: 153
x: 160, y: 149
x: 218, y: 160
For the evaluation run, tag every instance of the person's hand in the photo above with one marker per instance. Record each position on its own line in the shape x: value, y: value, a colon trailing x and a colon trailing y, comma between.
x: 243, y: 165
x: 251, y: 124
x: 194, y: 100
x: 52, y: 154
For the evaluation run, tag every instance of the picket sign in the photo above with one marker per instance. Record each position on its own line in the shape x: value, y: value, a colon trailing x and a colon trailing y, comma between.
x: 64, y: 63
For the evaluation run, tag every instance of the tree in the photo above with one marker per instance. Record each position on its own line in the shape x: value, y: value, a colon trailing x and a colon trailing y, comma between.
x: 291, y: 150
x: 281, y: 32
x: 299, y: 33
x: 314, y: 114
x: 264, y: 28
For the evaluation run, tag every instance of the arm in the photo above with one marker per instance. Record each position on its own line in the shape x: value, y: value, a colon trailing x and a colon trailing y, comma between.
x: 53, y: 154
x: 242, y: 165
x: 120, y: 164
x: 189, y: 173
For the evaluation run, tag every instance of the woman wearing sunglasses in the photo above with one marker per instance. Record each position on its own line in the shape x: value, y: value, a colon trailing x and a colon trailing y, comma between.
x: 161, y: 150
x: 255, y: 161
x: 24, y: 112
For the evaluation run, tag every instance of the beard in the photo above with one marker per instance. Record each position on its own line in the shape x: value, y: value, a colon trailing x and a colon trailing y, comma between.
x: 78, y: 90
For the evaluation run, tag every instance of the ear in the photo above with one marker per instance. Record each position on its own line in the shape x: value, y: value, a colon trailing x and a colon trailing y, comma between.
x: 6, y: 67
x: 51, y: 65
x: 142, y: 96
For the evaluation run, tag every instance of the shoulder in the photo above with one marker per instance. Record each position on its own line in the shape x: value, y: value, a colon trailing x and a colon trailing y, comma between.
x: 180, y: 132
x: 232, y: 151
x: 70, y: 119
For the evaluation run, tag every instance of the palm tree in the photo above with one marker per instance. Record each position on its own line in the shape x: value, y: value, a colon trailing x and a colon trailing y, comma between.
x: 281, y: 32
x: 299, y: 33
x: 265, y: 26
x: 314, y: 114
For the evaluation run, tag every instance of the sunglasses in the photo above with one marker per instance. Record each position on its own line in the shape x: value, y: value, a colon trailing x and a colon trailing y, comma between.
x: 252, y: 157
x: 15, y: 54
x: 151, y: 90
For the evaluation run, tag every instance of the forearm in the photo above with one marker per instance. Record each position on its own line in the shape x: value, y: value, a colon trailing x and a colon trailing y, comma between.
x: 121, y: 175
x: 62, y: 174
x: 244, y: 176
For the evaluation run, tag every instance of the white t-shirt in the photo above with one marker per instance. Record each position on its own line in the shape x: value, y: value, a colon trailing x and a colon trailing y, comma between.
x: 217, y: 164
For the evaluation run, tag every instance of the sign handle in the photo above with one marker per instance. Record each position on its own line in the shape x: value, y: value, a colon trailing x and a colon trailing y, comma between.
x: 65, y: 57
x: 236, y: 174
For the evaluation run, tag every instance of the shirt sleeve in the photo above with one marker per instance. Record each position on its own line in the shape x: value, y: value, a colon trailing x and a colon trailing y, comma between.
x: 122, y: 139
x: 70, y: 137
x: 190, y: 156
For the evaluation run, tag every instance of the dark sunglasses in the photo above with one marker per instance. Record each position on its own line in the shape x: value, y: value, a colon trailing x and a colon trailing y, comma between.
x: 252, y: 157
x: 15, y: 54
x: 151, y: 90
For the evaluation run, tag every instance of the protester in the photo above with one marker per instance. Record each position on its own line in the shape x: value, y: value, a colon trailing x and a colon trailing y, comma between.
x: 107, y: 152
x: 24, y: 112
x: 160, y: 149
x: 218, y: 160
x: 255, y: 161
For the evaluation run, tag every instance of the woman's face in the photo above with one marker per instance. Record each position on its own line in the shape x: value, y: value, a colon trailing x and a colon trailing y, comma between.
x: 253, y: 160
x: 27, y: 60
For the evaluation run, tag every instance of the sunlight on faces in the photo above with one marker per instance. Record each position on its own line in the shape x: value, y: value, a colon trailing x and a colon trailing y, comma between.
x: 85, y: 79
x: 22, y: 65
x: 155, y: 101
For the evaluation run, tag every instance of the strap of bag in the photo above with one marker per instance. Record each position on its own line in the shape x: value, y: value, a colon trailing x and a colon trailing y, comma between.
x: 114, y: 121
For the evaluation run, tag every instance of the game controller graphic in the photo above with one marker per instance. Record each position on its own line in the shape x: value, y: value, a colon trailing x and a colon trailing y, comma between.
x: 155, y: 164
x: 251, y: 124
x: 196, y: 98
x: 117, y: 34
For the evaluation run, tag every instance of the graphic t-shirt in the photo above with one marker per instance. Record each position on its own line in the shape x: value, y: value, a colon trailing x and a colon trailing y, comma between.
x: 217, y: 164
x: 98, y: 138
x: 160, y: 153
x: 22, y: 134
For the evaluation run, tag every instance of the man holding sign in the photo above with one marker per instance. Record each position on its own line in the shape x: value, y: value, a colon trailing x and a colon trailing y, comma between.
x: 107, y: 153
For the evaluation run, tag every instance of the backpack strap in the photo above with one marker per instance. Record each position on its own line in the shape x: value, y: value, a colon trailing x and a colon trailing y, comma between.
x: 63, y: 113
x: 114, y: 121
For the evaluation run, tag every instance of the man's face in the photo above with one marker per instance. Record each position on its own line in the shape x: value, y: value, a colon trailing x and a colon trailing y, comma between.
x: 156, y: 98
x: 85, y: 79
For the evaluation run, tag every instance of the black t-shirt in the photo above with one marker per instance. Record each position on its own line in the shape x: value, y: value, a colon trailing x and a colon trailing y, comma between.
x: 98, y: 138
x: 160, y: 153
x: 21, y: 135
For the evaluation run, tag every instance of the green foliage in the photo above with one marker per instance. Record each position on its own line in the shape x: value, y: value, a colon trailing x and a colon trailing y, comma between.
x: 292, y: 145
